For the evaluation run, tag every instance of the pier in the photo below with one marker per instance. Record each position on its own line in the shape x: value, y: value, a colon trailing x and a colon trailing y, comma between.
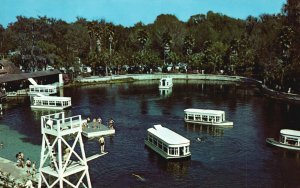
x: 11, y: 174
x: 97, y: 130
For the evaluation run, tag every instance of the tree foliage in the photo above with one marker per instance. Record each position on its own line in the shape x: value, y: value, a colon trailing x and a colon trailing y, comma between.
x: 265, y: 47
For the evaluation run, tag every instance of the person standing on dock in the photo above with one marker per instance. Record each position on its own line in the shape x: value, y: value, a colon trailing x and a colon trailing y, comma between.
x: 102, y: 143
x: 94, y: 123
x: 99, y: 122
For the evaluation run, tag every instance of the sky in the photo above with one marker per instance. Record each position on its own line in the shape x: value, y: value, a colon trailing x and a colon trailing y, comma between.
x: 129, y: 12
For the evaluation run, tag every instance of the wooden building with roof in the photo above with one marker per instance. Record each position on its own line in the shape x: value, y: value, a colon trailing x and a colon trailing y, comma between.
x: 12, y: 79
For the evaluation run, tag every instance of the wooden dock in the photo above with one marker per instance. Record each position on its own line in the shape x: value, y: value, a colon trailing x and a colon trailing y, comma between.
x: 96, y: 130
x: 11, y: 174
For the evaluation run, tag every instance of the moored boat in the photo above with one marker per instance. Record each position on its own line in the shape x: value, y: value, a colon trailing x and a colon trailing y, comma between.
x: 51, y: 102
x: 165, y: 83
x: 206, y: 117
x: 167, y: 143
x: 288, y: 139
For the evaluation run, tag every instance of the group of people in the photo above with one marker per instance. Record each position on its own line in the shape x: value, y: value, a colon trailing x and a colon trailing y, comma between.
x: 97, y: 123
x: 30, y: 167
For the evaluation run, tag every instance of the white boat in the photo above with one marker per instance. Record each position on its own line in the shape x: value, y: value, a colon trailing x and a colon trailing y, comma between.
x: 206, y: 117
x: 167, y: 143
x: 51, y: 102
x: 165, y: 83
x: 42, y: 89
x: 289, y: 139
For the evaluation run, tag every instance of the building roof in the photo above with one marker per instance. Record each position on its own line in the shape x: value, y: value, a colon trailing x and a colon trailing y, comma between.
x: 204, y: 111
x: 24, y: 76
x: 8, y: 67
x: 289, y: 132
x: 167, y: 135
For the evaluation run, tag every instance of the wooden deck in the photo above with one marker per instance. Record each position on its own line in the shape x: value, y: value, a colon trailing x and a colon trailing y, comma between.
x: 96, y: 130
x: 18, y: 174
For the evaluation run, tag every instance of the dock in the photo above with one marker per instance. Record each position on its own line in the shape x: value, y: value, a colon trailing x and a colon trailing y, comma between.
x: 10, y: 174
x: 97, y: 130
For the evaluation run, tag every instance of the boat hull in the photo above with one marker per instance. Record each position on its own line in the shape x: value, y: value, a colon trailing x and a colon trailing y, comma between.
x: 222, y: 124
x: 273, y: 142
x: 50, y: 107
x: 164, y: 155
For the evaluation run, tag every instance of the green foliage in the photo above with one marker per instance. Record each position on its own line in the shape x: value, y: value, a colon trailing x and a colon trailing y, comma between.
x: 265, y: 47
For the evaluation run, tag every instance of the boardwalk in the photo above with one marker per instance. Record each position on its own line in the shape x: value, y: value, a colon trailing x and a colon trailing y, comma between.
x: 18, y: 174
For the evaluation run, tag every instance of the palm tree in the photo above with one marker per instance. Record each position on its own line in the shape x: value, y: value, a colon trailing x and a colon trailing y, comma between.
x: 142, y: 37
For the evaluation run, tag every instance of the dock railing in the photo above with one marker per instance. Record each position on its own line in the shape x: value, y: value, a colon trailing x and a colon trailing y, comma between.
x: 57, y: 122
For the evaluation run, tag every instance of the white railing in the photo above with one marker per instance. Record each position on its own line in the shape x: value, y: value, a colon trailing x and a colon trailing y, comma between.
x: 58, y: 122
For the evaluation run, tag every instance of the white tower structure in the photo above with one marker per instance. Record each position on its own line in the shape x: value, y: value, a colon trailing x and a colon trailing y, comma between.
x: 63, y: 162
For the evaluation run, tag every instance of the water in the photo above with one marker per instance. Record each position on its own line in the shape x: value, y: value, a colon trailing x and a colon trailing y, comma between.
x: 229, y: 157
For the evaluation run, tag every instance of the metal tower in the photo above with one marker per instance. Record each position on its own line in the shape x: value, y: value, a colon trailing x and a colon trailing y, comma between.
x: 63, y: 162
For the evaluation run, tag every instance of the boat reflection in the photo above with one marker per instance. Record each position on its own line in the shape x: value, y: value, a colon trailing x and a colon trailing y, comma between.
x: 165, y: 92
x: 37, y: 113
x: 210, y: 129
x: 174, y: 167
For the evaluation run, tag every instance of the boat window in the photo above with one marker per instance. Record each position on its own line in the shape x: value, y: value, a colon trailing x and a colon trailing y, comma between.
x: 159, y: 144
x: 187, y: 149
x: 165, y: 148
x: 150, y: 138
x: 154, y: 141
x: 198, y: 117
x: 190, y: 116
x: 218, y: 119
x: 173, y: 151
x: 211, y: 118
x: 204, y: 118
x: 292, y: 141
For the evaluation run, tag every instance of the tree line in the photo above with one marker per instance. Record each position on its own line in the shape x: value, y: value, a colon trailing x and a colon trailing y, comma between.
x: 265, y: 47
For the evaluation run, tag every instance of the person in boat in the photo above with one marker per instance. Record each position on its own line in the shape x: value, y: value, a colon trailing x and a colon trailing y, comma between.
x: 111, y: 123
x: 102, y: 143
x: 28, y: 165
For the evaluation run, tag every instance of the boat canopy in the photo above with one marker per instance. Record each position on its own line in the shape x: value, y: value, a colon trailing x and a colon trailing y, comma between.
x: 167, y: 135
x: 204, y: 111
x: 54, y: 98
x: 289, y: 132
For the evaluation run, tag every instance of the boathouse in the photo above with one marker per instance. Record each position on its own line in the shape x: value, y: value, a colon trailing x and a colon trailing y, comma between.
x: 13, y: 80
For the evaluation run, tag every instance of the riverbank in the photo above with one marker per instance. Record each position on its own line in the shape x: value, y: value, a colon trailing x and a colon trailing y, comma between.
x: 136, y: 77
x: 281, y: 96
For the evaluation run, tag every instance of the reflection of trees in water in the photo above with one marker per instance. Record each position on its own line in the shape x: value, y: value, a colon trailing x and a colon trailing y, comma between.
x: 144, y: 105
x: 210, y: 129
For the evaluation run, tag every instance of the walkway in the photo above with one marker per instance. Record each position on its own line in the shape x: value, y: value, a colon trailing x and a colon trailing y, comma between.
x: 18, y: 174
